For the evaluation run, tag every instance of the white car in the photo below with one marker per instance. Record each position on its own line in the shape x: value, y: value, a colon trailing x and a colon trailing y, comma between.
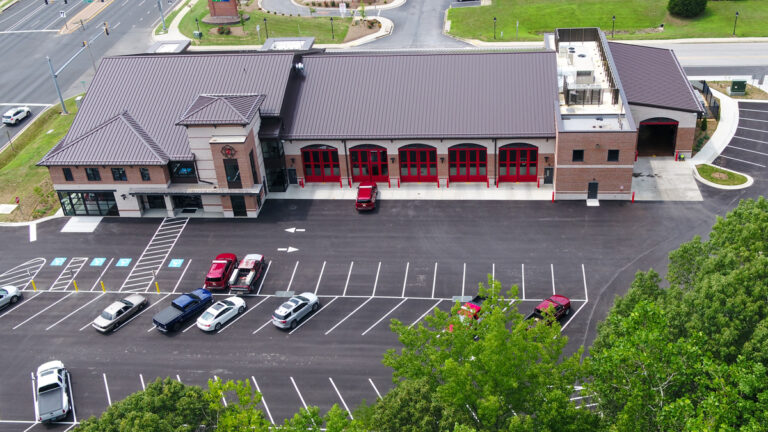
x: 15, y: 115
x: 220, y: 313
x: 291, y: 312
x: 9, y: 295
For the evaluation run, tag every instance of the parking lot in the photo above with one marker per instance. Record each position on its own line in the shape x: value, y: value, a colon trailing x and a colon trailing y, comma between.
x: 334, y: 355
x: 748, y: 150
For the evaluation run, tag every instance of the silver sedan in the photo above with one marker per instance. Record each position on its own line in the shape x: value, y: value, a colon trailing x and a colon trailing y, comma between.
x: 119, y: 312
x: 9, y: 295
x: 297, y: 307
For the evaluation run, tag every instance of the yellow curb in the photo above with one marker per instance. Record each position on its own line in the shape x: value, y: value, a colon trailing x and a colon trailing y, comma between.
x: 87, y: 14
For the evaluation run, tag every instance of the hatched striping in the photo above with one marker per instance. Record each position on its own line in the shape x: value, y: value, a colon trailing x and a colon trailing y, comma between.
x: 154, y: 255
x: 68, y: 274
x: 21, y: 275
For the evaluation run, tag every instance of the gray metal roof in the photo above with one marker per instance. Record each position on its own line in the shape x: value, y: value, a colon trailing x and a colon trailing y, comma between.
x: 222, y: 109
x: 418, y: 95
x: 157, y: 89
x: 653, y: 77
x: 95, y: 147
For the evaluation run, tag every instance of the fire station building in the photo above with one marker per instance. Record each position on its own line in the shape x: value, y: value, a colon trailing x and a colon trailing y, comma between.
x: 213, y: 134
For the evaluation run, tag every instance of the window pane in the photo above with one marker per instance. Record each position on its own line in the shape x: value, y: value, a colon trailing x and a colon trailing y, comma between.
x: 374, y: 156
x: 403, y: 170
x: 355, y: 170
x: 523, y: 155
x: 452, y: 156
x: 482, y: 156
x: 472, y: 156
x: 375, y: 170
x: 433, y: 156
x: 423, y: 156
x: 433, y: 170
x: 503, y: 155
x: 423, y: 169
x: 532, y: 170
x: 317, y: 170
x: 336, y: 171
x: 335, y: 156
x: 327, y: 170
x: 384, y: 170
x: 482, y: 170
x: 462, y: 156
x: 473, y: 170
x: 365, y: 170
x: 403, y: 156
x: 364, y: 156
x: 354, y: 156
x: 513, y: 156
x: 462, y: 170
x: 452, y: 170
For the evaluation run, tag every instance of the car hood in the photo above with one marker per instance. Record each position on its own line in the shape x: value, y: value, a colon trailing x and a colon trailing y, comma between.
x: 102, y: 322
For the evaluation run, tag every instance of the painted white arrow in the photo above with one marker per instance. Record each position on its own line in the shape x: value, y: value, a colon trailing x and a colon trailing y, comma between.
x: 289, y: 249
x: 294, y: 229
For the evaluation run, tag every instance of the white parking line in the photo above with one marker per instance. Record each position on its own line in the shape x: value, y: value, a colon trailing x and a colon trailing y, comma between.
x: 750, y: 139
x: 141, y: 377
x: 264, y: 277
x: 376, y: 281
x: 22, y: 271
x: 193, y: 324
x: 382, y: 318
x: 223, y: 399
x: 405, y: 279
x: 349, y: 315
x: 743, y: 149
x: 463, y: 279
x: 32, y: 232
x: 351, y: 264
x: 106, y: 267
x: 493, y: 271
x: 552, y: 271
x: 292, y: 275
x: 586, y: 299
x: 242, y: 315
x: 740, y: 160
x: 374, y: 388
x: 72, y: 398
x: 320, y: 278
x: 182, y: 276
x: 752, y: 129
x: 523, y: 274
x: 49, y: 306
x: 313, y: 315
x: 264, y: 401
x: 133, y: 317
x: 342, y: 399
x: 73, y: 312
x: 434, y: 280
x: 178, y: 378
x: 34, y: 397
x: 425, y: 313
x: 262, y: 326
x: 106, y: 387
x: 298, y: 392
x: 751, y: 119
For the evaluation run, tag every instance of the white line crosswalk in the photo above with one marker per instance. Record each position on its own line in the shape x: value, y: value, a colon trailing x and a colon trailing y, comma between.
x: 154, y: 255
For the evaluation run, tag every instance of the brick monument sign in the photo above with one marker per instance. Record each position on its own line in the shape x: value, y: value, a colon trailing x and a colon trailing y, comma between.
x: 223, y: 12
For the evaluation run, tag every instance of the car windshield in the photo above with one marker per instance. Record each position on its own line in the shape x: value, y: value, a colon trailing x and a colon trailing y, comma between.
x: 228, y: 303
x: 207, y: 316
x: 363, y: 200
x: 107, y: 316
x: 3, y: 292
x: 304, y: 299
x: 51, y: 386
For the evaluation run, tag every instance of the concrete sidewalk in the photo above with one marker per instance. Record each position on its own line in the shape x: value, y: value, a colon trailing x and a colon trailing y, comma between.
x: 422, y: 191
x: 726, y: 129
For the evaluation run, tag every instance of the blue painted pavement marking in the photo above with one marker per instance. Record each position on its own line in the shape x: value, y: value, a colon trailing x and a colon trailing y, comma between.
x: 58, y: 261
x: 123, y: 262
x: 98, y: 262
x: 176, y: 262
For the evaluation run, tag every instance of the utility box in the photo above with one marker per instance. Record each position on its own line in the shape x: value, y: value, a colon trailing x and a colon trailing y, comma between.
x: 198, y: 34
x: 78, y: 101
x: 738, y: 88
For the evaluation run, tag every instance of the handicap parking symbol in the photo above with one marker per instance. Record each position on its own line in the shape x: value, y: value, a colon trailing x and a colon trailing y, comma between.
x: 123, y: 262
x: 176, y: 262
x: 58, y: 261
x: 97, y: 262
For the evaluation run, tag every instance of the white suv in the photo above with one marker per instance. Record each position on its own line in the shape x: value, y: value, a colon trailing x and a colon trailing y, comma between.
x: 15, y: 115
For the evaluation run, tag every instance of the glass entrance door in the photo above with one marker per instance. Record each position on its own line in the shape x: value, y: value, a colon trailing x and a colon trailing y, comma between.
x: 518, y: 164
x: 369, y: 164
x: 418, y: 164
x: 467, y: 164
x: 321, y: 164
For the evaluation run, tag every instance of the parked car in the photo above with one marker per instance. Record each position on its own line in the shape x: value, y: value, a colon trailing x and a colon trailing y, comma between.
x: 220, y: 271
x: 220, y: 313
x: 15, y: 115
x: 182, y: 309
x: 9, y: 295
x: 52, y: 391
x: 469, y: 311
x: 246, y: 274
x: 561, y: 306
x: 119, y: 312
x: 297, y: 307
x: 366, y: 196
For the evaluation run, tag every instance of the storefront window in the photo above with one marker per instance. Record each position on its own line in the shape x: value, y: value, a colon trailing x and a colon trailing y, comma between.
x: 88, y: 203
x: 182, y: 172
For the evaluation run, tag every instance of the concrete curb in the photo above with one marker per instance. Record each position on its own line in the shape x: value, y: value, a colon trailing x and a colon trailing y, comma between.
x: 726, y: 129
x: 394, y: 4
x: 701, y: 179
x: 86, y: 15
x: 173, y: 33
x: 59, y: 214
x: 5, y: 8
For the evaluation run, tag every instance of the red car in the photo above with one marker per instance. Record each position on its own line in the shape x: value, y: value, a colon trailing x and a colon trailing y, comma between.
x: 561, y: 306
x: 220, y: 271
x: 246, y: 274
x: 366, y: 196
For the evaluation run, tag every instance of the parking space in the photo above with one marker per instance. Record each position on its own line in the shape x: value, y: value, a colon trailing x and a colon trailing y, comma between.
x: 748, y: 150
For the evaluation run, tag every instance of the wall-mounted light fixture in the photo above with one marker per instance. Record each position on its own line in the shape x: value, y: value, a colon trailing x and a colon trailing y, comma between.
x: 442, y: 159
x: 597, y: 145
x: 546, y: 159
x: 123, y: 196
x: 293, y: 161
x: 392, y: 160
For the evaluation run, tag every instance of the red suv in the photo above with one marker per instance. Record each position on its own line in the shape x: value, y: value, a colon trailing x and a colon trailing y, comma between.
x: 366, y: 196
x: 220, y: 271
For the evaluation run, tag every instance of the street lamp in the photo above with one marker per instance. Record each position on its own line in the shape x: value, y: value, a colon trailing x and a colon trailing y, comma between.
x: 162, y: 15
x: 494, y: 28
x: 734, y: 23
x: 266, y: 29
x: 200, y: 34
x: 613, y: 27
x: 332, y: 34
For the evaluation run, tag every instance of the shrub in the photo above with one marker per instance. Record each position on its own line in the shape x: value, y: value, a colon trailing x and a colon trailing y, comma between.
x: 704, y: 124
x: 333, y: 3
x: 222, y: 30
x: 686, y: 8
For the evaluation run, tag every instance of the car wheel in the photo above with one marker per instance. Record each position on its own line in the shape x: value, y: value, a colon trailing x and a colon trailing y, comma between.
x: 293, y: 324
x: 568, y: 311
x: 14, y: 299
x: 315, y: 306
x: 217, y: 327
x: 176, y: 327
x: 241, y: 310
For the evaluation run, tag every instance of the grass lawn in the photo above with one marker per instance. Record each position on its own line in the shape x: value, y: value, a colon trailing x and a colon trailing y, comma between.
x: 4, y: 3
x: 751, y: 93
x: 20, y: 177
x: 634, y: 19
x: 169, y: 18
x: 279, y: 26
x: 732, y: 179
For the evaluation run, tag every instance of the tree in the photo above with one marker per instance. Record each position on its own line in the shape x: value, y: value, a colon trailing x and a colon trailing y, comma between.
x: 495, y: 373
x: 241, y: 412
x: 686, y: 8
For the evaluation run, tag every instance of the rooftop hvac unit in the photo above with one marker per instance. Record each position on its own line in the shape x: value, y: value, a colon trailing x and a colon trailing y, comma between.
x: 585, y: 76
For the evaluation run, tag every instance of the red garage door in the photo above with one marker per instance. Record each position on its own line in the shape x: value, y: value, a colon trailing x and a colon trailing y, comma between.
x: 321, y: 164
x: 418, y: 163
x: 467, y: 163
x: 369, y: 163
x: 518, y: 163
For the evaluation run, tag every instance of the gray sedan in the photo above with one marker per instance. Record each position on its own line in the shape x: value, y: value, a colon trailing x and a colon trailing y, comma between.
x: 9, y: 295
x: 119, y: 312
x: 291, y: 312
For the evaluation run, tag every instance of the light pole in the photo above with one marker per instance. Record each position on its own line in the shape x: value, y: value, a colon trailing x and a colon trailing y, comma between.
x: 333, y: 36
x: 613, y: 27
x: 734, y: 23
x: 266, y: 29
x: 56, y: 84
x: 197, y: 21
x: 162, y: 15
x: 494, y: 28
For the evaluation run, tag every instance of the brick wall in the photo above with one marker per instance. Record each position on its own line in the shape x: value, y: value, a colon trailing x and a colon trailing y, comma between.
x: 684, y: 140
x: 223, y: 8
x: 243, y: 162
x: 157, y: 175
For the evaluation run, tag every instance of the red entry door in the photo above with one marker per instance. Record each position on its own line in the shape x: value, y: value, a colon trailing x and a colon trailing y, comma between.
x: 518, y: 164
x: 418, y: 165
x: 369, y: 165
x: 321, y: 165
x: 467, y: 164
